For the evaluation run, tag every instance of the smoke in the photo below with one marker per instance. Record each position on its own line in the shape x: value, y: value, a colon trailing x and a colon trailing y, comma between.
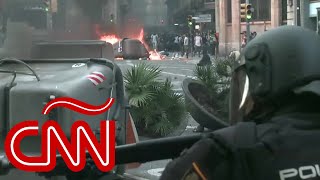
x: 18, y: 42
x: 90, y: 8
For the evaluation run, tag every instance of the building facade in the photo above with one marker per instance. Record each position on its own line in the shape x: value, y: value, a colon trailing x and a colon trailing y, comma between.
x: 308, y: 13
x: 267, y: 14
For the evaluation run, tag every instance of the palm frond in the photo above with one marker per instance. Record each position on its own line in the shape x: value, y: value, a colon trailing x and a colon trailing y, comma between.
x: 159, y: 108
x: 217, y: 79
x: 163, y: 127
x: 141, y: 99
x: 142, y: 74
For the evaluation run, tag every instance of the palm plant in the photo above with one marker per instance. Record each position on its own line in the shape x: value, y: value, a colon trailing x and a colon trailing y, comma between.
x: 140, y: 83
x: 216, y: 78
x: 156, y: 108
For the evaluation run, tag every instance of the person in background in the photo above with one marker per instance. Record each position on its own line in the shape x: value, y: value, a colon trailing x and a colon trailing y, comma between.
x: 234, y: 54
x: 216, y: 45
x: 244, y: 39
x: 204, y: 44
x: 205, y: 60
x: 191, y: 46
x: 186, y: 46
x: 176, y: 43
x: 212, y: 42
x: 253, y: 35
x: 198, y: 44
x: 181, y: 44
x: 155, y: 40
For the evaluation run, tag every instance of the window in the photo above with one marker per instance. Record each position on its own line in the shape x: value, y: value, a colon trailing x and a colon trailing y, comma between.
x: 229, y: 11
x: 262, y: 9
x: 284, y: 12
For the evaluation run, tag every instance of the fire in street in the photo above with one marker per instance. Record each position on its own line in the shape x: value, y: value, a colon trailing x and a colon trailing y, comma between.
x: 113, y: 39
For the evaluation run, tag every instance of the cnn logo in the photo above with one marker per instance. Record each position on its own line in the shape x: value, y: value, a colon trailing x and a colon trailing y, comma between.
x: 53, y: 139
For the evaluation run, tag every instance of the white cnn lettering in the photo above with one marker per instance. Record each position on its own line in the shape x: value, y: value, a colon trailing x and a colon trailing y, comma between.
x: 307, y: 172
x: 103, y: 160
x: 318, y: 169
x: 15, y: 155
x: 288, y: 173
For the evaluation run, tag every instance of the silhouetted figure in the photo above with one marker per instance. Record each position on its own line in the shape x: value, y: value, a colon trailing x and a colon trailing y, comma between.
x: 205, y: 60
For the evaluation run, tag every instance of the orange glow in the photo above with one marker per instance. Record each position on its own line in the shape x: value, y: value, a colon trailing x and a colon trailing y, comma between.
x: 154, y: 55
x: 112, y: 39
x: 141, y: 35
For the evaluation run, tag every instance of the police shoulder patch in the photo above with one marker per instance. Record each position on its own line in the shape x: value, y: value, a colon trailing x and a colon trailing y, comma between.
x: 194, y: 173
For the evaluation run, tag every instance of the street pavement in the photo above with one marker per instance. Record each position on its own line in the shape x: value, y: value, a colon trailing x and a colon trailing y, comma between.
x: 176, y: 70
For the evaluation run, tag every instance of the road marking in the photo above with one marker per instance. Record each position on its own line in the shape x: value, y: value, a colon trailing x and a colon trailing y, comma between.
x: 180, y: 89
x: 156, y: 172
x: 191, y: 127
x: 175, y: 74
x: 187, y: 70
x: 184, y: 69
x: 134, y: 177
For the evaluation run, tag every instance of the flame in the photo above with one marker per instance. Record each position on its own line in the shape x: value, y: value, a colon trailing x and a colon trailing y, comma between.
x: 110, y: 38
x: 154, y: 55
x: 141, y: 35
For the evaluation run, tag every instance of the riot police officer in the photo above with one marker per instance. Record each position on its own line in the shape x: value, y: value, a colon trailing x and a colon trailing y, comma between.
x: 276, y: 135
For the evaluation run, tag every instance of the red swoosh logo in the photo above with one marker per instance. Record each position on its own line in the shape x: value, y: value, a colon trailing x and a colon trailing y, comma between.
x: 78, y: 106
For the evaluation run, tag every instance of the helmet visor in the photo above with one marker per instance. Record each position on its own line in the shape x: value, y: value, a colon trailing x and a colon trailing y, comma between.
x: 240, y: 95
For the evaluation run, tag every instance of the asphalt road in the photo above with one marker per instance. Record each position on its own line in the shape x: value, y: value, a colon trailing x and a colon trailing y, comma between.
x: 177, y: 71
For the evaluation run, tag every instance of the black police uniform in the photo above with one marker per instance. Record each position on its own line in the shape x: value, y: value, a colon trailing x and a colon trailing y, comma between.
x: 278, y: 138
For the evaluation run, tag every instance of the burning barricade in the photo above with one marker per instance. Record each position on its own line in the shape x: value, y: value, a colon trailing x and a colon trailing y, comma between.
x: 131, y: 48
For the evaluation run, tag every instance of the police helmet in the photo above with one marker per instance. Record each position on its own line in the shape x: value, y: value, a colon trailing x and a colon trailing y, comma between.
x: 278, y: 62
